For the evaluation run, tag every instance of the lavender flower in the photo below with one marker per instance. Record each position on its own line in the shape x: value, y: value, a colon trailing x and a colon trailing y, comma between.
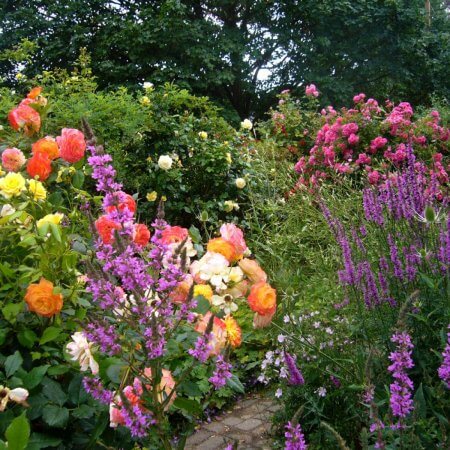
x: 94, y: 387
x: 295, y: 375
x: 221, y: 373
x: 401, y: 401
x: 444, y: 370
x: 202, y: 348
x: 295, y: 440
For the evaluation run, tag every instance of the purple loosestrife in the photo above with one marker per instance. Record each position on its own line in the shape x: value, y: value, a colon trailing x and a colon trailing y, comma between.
x: 94, y: 387
x: 444, y: 246
x: 295, y: 440
x: 295, y: 376
x: 221, y: 373
x: 202, y: 348
x: 401, y: 389
x: 444, y: 370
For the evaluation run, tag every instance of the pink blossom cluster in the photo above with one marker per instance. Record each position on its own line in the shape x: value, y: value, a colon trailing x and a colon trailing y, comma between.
x: 372, y: 141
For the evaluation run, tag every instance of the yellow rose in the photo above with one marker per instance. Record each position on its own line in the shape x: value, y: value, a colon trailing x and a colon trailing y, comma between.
x: 12, y: 185
x: 203, y: 289
x: 50, y: 218
x: 240, y: 183
x: 203, y: 135
x: 145, y: 100
x: 37, y: 189
x: 152, y: 196
x: 229, y: 158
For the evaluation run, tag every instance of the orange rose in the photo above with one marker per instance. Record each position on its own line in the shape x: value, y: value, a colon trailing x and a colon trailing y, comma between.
x: 234, y: 332
x: 39, y: 165
x: 123, y: 200
x: 41, y: 299
x: 105, y: 228
x: 263, y: 298
x: 71, y: 144
x: 141, y: 234
x: 253, y: 270
x: 172, y: 235
x: 225, y: 248
x: 47, y: 146
x: 34, y: 93
x: 26, y: 118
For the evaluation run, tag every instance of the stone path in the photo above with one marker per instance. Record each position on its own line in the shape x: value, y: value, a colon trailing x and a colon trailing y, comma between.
x: 246, y: 425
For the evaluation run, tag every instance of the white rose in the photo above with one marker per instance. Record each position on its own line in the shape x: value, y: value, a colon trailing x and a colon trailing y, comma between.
x: 165, y: 162
x: 18, y: 395
x: 7, y: 210
x: 148, y: 85
x: 246, y: 125
x: 240, y: 183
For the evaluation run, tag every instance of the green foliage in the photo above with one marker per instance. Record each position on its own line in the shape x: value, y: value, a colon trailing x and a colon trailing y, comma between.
x: 240, y: 54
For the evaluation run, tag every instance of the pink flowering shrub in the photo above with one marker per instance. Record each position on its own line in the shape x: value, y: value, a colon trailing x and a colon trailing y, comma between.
x: 366, y: 141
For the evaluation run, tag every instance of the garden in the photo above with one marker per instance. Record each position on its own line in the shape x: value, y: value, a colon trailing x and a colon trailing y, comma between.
x: 178, y: 243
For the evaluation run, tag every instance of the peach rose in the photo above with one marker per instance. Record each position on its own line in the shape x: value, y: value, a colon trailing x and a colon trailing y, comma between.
x: 181, y: 292
x: 34, y: 93
x: 25, y: 118
x: 260, y: 321
x: 71, y: 144
x: 13, y: 159
x: 253, y: 270
x: 263, y: 298
x: 225, y: 248
x: 219, y: 332
x: 174, y: 235
x: 46, y: 145
x: 39, y: 165
x: 41, y: 299
x: 233, y: 234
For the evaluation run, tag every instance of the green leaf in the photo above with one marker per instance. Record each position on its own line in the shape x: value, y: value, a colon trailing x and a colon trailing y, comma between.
x: 195, y: 235
x: 55, y: 416
x: 50, y: 334
x: 11, y: 311
x: 83, y: 412
x: 4, y: 268
x: 203, y: 305
x: 27, y: 337
x: 191, y: 389
x: 35, y: 376
x: 58, y: 370
x: 76, y: 391
x: 420, y: 403
x: 113, y: 372
x: 52, y: 390
x: 43, y: 229
x: 78, y: 179
x: 56, y: 232
x: 18, y: 433
x: 235, y: 384
x: 39, y: 440
x: 12, y: 363
x: 185, y: 404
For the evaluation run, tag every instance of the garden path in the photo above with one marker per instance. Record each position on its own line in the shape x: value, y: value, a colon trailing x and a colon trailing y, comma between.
x: 246, y: 424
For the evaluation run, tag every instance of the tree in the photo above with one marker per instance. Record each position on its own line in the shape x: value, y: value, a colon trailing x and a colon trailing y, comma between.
x: 220, y: 48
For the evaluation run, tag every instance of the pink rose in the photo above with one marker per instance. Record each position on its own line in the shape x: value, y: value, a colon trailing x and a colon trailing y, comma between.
x: 71, y: 144
x: 230, y: 232
x: 13, y: 159
x: 311, y: 91
x: 374, y: 177
x: 353, y: 139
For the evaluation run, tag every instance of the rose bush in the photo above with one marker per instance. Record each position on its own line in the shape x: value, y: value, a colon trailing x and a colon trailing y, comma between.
x: 42, y: 235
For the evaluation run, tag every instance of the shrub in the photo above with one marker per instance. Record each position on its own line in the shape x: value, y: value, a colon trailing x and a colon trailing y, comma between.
x: 42, y: 238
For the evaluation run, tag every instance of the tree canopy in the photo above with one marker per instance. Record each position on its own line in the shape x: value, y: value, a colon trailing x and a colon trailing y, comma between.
x: 241, y: 53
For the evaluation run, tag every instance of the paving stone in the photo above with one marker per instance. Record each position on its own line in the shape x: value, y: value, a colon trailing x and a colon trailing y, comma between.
x: 198, y: 437
x: 213, y: 443
x: 249, y: 424
x: 217, y: 427
x: 232, y: 421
